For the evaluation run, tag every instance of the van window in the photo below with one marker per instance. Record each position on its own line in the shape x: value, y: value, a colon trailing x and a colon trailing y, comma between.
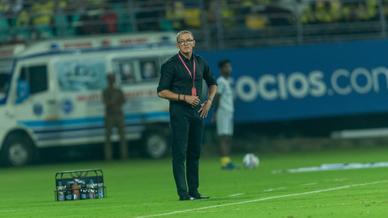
x: 37, y: 78
x: 32, y: 80
x: 149, y: 69
x: 126, y: 71
x: 137, y: 70
x: 81, y: 75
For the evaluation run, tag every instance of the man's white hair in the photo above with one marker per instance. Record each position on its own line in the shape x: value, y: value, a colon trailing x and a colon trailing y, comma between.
x: 178, y: 35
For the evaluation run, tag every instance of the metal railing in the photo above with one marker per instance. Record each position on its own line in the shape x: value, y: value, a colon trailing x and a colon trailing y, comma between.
x: 217, y: 24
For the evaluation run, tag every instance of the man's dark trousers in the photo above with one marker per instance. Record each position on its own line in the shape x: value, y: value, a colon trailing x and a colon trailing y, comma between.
x: 187, y: 131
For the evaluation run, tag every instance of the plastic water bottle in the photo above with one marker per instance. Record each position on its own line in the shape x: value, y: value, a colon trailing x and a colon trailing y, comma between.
x: 91, y: 189
x: 68, y: 193
x: 75, y: 189
x: 61, y: 191
x: 84, y: 191
x: 100, y: 190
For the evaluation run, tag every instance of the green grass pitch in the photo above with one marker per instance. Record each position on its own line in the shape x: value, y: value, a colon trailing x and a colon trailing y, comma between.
x: 145, y: 188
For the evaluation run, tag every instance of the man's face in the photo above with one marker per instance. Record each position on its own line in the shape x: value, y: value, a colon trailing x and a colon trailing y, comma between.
x: 226, y: 70
x: 186, y: 43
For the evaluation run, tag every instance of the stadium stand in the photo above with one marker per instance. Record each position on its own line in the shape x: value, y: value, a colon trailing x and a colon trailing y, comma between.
x: 217, y: 23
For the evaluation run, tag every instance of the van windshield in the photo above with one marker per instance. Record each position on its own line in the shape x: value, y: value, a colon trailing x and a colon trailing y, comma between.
x: 5, y: 79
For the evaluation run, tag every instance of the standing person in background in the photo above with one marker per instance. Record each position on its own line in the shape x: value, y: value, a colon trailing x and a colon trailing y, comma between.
x: 224, y: 105
x: 114, y: 100
x: 181, y: 84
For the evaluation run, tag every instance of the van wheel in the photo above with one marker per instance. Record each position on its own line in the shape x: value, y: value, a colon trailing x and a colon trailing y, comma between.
x: 18, y: 150
x: 155, y: 144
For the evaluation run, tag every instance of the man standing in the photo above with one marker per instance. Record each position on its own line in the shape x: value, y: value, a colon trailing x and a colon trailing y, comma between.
x: 181, y: 84
x: 114, y: 99
x: 224, y: 105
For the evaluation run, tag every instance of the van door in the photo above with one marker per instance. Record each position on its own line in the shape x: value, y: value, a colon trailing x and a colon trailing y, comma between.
x: 33, y: 99
x: 31, y: 105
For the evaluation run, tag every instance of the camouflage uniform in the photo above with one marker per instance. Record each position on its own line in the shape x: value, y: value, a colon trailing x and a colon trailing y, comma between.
x: 113, y: 100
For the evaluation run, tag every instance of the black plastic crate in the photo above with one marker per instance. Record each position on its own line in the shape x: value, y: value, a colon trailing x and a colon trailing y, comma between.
x: 79, y: 185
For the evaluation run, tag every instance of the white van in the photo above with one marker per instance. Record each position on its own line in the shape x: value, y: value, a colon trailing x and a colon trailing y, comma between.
x: 50, y: 92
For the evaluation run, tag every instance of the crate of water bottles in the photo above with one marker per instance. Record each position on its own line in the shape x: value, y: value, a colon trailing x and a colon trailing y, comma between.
x: 79, y: 185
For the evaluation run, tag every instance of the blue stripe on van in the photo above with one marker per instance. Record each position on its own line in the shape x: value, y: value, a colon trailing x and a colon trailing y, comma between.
x: 87, y: 127
x: 95, y: 120
x: 83, y: 134
x: 65, y: 129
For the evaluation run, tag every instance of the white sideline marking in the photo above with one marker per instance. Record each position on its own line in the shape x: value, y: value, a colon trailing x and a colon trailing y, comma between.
x: 274, y: 189
x: 339, y: 179
x: 235, y: 195
x: 264, y: 199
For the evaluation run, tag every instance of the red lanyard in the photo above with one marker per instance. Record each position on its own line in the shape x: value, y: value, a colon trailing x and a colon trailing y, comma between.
x: 192, y: 74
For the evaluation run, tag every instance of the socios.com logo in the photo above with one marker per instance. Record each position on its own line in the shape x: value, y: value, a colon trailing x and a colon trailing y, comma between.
x: 298, y: 85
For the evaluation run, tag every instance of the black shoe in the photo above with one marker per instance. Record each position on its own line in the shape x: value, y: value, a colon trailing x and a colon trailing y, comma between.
x: 198, y: 196
x: 186, y: 198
